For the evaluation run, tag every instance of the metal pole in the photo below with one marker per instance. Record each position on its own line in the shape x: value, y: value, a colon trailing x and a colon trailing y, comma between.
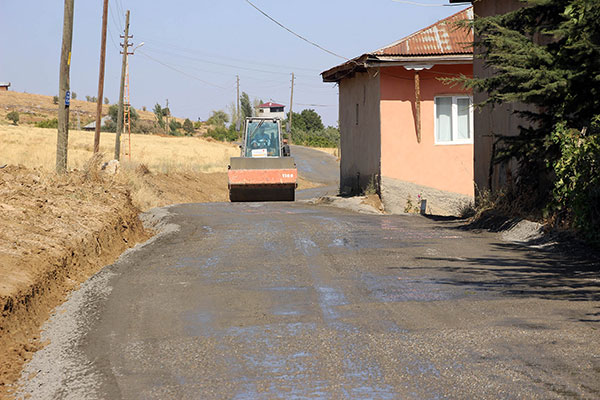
x: 62, y: 140
x: 125, y: 45
x: 101, y: 78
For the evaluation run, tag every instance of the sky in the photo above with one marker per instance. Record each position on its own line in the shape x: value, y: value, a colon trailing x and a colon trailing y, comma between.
x: 193, y: 49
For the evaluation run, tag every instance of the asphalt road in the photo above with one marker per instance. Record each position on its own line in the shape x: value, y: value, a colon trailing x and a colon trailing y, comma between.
x: 318, y: 167
x: 261, y: 301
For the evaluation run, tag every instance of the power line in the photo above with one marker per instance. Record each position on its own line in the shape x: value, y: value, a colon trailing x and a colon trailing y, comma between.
x: 294, y: 33
x: 237, y: 67
x: 414, y: 3
x: 181, y: 72
x: 114, y: 20
x: 171, y: 46
x: 152, y: 48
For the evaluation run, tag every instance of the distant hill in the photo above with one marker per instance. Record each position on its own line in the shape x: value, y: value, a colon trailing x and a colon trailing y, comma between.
x: 34, y: 108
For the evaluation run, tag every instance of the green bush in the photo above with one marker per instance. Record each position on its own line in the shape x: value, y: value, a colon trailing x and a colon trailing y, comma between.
x: 188, y: 126
x: 576, y: 195
x: 223, y: 134
x: 48, y: 123
x: 328, y: 137
x: 13, y: 116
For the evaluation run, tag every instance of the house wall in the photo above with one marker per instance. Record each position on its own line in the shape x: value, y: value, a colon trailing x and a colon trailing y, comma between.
x: 443, y: 167
x: 266, y: 112
x: 360, y: 139
x: 492, y: 121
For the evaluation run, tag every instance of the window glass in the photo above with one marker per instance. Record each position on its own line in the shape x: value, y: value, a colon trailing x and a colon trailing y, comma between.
x: 463, y: 105
x: 443, y: 118
x: 262, y: 139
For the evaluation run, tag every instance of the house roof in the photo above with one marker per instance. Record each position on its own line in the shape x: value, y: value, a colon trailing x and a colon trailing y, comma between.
x: 270, y: 104
x: 92, y: 125
x: 4, y: 83
x: 443, y: 37
x: 442, y: 42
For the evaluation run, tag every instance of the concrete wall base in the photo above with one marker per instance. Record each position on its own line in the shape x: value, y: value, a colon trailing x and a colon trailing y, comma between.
x: 395, y: 194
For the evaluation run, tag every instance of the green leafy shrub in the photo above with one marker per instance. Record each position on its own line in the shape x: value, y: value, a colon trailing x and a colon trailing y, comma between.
x: 223, y: 134
x: 188, y: 126
x: 576, y: 195
x: 48, y: 123
x: 13, y: 116
x: 328, y: 137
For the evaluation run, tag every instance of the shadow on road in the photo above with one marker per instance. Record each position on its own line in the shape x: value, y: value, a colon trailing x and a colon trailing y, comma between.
x: 518, y: 270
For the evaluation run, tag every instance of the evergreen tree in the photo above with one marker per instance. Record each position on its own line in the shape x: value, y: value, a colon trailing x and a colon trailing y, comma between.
x: 245, y: 105
x: 188, y: 126
x: 312, y: 120
x: 546, y: 55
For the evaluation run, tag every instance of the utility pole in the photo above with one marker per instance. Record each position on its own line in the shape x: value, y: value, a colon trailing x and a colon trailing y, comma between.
x: 62, y: 139
x: 125, y: 46
x: 289, y: 127
x: 238, y: 123
x: 101, y: 78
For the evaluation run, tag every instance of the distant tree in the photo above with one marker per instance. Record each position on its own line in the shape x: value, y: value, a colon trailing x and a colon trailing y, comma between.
x: 188, y: 126
x: 113, y: 112
x: 218, y: 118
x: 55, y: 99
x: 297, y: 121
x: 144, y: 108
x: 91, y: 99
x: 160, y: 114
x: 73, y: 95
x: 312, y: 120
x: 13, y: 116
x: 255, y: 104
x: 106, y: 100
x: 174, y: 126
x: 232, y: 107
x: 245, y: 106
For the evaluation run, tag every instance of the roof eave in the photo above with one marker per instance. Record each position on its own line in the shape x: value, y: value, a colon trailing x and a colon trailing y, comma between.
x: 337, y: 73
x: 361, y: 64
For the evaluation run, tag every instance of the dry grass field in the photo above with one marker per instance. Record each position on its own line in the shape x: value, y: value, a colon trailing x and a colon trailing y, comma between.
x: 36, y: 148
x: 162, y: 170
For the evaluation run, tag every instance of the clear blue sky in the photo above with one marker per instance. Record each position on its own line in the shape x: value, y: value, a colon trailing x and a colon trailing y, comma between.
x: 204, y: 41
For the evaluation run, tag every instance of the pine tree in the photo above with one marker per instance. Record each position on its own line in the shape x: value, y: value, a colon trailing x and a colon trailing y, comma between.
x: 547, y: 56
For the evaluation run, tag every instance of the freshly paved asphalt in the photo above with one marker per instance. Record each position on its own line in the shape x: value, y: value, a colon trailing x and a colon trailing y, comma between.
x: 272, y: 300
x: 318, y: 167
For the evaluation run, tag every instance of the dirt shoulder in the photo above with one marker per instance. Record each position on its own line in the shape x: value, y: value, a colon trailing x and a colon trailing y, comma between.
x: 56, y: 232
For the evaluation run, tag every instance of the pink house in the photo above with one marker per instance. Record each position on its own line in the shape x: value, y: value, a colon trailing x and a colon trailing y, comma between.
x: 401, y: 127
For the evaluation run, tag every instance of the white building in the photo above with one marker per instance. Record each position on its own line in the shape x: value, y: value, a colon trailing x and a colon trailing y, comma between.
x: 271, y: 110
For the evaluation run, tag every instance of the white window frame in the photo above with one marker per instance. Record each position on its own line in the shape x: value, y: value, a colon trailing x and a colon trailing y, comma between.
x: 454, y: 130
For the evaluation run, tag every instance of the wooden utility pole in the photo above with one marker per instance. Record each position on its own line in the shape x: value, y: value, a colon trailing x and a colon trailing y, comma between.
x: 101, y: 78
x: 125, y: 46
x: 238, y: 123
x: 64, y: 93
x: 289, y: 127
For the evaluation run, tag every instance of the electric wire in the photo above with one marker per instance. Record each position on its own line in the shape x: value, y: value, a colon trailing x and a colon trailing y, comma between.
x: 294, y: 33
x: 180, y: 71
x: 148, y: 39
x: 414, y: 3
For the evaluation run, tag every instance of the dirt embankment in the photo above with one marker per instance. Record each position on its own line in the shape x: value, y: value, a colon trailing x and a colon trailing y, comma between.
x: 56, y: 232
